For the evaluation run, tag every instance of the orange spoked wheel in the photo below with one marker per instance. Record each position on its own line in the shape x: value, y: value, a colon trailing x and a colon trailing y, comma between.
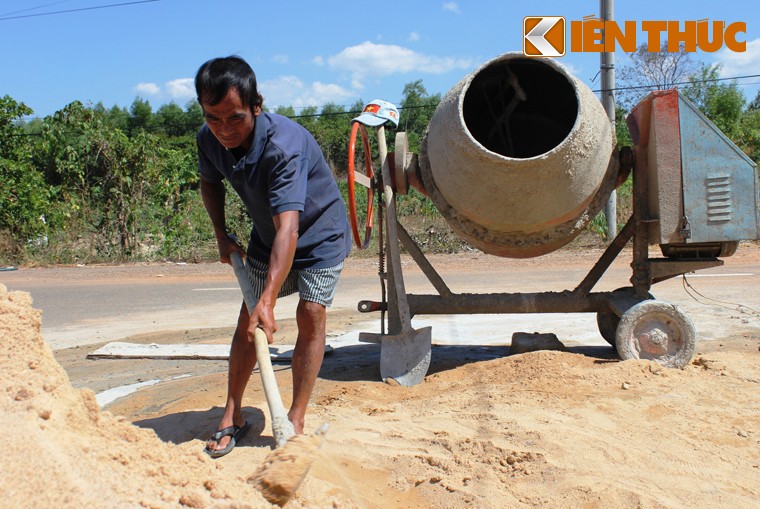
x: 364, y: 179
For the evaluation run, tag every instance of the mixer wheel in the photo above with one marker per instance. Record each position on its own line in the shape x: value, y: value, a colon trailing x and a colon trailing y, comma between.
x: 658, y: 331
x: 364, y: 179
x: 607, y: 321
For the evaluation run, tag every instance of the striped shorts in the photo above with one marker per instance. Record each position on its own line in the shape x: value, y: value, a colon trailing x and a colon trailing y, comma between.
x: 313, y: 285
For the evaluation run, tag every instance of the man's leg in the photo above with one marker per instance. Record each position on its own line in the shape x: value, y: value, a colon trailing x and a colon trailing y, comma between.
x: 307, y: 357
x: 242, y: 361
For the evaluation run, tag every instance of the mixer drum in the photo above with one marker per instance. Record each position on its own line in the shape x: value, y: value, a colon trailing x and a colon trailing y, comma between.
x: 519, y: 157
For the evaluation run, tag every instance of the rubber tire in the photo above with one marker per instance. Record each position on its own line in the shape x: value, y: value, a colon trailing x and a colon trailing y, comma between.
x: 674, y: 340
x: 608, y: 322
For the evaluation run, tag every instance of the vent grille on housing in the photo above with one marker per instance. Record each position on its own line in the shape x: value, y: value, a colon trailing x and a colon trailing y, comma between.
x: 718, y: 199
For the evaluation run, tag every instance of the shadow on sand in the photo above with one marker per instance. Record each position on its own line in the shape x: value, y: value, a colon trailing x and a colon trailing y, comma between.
x: 184, y: 427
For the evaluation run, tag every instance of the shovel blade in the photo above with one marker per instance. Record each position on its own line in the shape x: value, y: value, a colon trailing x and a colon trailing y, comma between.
x: 405, y: 357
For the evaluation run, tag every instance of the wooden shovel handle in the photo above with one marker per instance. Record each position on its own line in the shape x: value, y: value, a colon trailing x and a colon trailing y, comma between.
x: 282, y: 428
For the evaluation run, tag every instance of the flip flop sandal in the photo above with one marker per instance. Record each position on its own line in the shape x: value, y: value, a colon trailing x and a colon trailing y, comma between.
x: 235, y: 432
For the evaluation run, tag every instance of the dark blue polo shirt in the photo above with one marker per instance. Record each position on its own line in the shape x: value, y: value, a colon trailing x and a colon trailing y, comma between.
x: 284, y: 170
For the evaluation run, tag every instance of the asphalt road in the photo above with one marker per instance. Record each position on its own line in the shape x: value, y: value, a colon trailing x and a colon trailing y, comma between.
x: 90, y: 305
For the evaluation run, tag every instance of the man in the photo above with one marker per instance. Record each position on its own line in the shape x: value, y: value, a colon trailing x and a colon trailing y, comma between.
x: 300, y: 233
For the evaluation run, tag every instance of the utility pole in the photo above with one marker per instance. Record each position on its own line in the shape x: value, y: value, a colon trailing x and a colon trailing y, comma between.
x: 607, y: 71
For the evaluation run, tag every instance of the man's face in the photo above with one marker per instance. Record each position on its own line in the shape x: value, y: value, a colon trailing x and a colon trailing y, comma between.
x: 230, y: 121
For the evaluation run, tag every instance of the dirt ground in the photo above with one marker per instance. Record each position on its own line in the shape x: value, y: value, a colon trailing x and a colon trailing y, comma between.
x: 578, y: 428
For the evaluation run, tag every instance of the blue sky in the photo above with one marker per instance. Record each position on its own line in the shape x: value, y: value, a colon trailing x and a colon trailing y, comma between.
x: 305, y: 53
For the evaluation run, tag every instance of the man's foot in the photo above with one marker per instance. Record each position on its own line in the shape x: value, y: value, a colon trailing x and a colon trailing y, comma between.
x: 224, y: 440
x: 297, y: 421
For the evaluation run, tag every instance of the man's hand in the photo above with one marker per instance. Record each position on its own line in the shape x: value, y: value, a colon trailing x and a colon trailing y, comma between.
x: 280, y: 261
x: 228, y: 245
x: 262, y: 318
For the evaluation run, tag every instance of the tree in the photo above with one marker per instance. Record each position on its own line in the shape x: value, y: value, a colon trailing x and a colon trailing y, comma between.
x: 649, y: 71
x: 24, y: 195
x: 332, y: 131
x: 119, y: 118
x: 104, y: 176
x: 286, y: 111
x: 755, y: 104
x: 749, y: 138
x: 11, y: 134
x: 170, y: 120
x: 194, y: 115
x: 308, y: 117
x: 417, y: 108
x: 622, y: 133
x: 721, y: 102
x: 140, y: 116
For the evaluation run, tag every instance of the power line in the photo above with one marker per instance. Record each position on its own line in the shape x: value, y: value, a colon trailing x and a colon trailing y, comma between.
x: 636, y: 87
x: 77, y: 10
x: 34, y: 8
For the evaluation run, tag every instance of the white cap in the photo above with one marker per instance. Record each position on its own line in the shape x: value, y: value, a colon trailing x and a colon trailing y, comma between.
x: 377, y: 113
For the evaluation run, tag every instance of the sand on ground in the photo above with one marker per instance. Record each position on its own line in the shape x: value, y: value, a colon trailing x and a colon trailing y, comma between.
x: 578, y: 428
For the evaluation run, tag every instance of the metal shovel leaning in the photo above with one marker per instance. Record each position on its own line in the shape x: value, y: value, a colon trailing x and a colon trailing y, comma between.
x: 284, y: 468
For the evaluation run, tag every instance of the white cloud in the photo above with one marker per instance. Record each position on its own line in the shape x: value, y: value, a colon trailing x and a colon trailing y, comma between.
x: 377, y: 60
x: 414, y: 36
x: 739, y: 64
x: 280, y: 59
x: 336, y: 93
x: 451, y: 6
x: 147, y: 89
x: 357, y: 85
x: 181, y: 88
x: 318, y: 60
x: 292, y: 91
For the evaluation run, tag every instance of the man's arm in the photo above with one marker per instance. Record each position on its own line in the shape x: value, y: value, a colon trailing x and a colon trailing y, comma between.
x: 280, y: 262
x: 213, y: 194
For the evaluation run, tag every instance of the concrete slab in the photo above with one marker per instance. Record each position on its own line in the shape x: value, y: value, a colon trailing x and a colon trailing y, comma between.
x: 121, y: 350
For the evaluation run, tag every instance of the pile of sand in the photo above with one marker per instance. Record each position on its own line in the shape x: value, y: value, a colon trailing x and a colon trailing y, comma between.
x: 60, y: 450
x: 553, y: 429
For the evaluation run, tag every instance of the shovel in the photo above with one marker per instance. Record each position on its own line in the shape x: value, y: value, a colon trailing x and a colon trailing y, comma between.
x: 405, y: 357
x: 284, y: 468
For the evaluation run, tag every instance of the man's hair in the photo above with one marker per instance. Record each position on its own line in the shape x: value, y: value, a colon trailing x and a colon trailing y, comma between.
x: 218, y: 75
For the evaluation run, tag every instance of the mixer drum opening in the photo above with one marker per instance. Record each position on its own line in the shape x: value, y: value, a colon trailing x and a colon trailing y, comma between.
x: 520, y: 108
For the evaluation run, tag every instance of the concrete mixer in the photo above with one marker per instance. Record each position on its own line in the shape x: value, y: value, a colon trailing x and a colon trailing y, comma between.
x: 518, y: 157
